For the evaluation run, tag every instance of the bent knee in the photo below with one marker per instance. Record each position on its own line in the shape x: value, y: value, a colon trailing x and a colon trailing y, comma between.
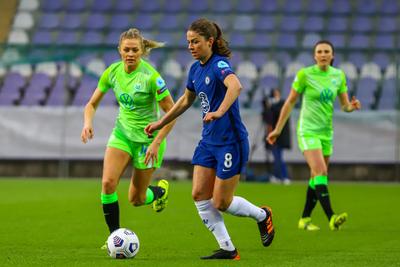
x: 221, y: 205
x: 108, y: 185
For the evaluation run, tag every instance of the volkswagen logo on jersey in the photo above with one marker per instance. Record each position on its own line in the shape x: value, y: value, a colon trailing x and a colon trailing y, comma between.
x: 326, y: 96
x: 126, y: 100
x: 207, y: 80
x: 205, y: 105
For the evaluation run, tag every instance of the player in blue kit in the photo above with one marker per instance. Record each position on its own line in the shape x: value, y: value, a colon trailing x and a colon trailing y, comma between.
x: 222, y: 153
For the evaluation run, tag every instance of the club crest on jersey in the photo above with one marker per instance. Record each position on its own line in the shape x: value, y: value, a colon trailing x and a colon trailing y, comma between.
x: 326, y: 96
x: 207, y: 80
x: 222, y: 64
x: 205, y: 105
x: 126, y: 100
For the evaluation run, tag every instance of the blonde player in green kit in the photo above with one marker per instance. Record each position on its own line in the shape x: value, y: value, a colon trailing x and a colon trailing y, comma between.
x: 139, y: 90
x: 320, y: 84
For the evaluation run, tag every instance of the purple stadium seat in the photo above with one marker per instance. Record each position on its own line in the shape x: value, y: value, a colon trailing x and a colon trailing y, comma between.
x: 382, y: 59
x: 306, y: 58
x: 92, y: 38
x: 144, y: 21
x: 283, y: 58
x: 40, y: 80
x: 259, y: 58
x: 357, y: 58
x: 110, y: 57
x: 287, y: 40
x: 387, y: 25
x: 338, y: 40
x: 75, y: 5
x: 337, y: 24
x: 120, y: 22
x: 221, y: 7
x: 124, y: 6
x: 270, y: 6
x: 96, y: 21
x: 42, y: 38
x: 197, y: 6
x: 169, y: 22
x: 150, y: 6
x: 238, y: 40
x: 264, y: 23
x: 291, y: 23
x: 367, y: 7
x: 317, y: 6
x: 313, y: 23
x: 109, y: 99
x: 51, y: 6
x: 388, y: 98
x: 222, y: 20
x: 366, y: 90
x: 384, y: 41
x: 249, y: 7
x: 359, y: 41
x: 361, y: 24
x: 71, y: 21
x: 174, y: 6
x: 340, y: 7
x: 112, y: 38
x: 49, y: 21
x: 389, y: 7
x: 67, y: 38
x: 34, y: 95
x: 183, y: 57
x: 14, y: 80
x: 57, y: 97
x: 269, y: 81
x: 102, y: 6
x: 11, y: 90
x: 261, y: 40
x: 84, y: 91
x: 292, y: 7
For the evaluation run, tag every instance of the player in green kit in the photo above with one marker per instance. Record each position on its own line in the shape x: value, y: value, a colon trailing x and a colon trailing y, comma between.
x: 139, y: 90
x: 319, y: 84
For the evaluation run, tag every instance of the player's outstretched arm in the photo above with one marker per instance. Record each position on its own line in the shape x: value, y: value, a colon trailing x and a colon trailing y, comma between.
x: 283, y: 116
x: 88, y: 115
x: 183, y: 103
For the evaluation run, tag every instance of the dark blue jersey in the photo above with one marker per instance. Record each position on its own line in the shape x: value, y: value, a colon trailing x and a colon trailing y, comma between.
x: 207, y: 81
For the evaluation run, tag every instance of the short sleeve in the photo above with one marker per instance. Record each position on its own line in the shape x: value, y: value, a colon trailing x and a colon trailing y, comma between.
x: 299, y: 82
x: 103, y: 85
x: 159, y: 86
x: 189, y: 82
x: 221, y: 69
x: 343, y: 84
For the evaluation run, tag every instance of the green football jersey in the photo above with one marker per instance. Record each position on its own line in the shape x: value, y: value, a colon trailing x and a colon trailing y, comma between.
x: 137, y: 94
x: 319, y: 89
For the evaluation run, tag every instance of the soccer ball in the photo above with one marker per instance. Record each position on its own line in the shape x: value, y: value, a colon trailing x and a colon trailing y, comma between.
x: 122, y: 244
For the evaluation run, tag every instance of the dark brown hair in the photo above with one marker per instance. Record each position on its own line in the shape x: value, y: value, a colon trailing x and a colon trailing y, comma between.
x: 209, y: 29
x: 328, y: 43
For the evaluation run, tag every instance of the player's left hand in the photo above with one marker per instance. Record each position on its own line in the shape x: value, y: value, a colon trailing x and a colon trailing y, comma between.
x: 151, y: 154
x: 211, y: 116
x: 355, y: 103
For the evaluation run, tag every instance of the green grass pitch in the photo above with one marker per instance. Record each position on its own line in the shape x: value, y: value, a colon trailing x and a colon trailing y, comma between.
x: 58, y: 222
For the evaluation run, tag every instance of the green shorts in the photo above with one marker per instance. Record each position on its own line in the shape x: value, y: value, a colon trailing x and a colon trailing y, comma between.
x: 311, y: 142
x: 136, y: 150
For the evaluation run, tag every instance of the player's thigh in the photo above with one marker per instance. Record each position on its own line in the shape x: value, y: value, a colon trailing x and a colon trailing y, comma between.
x: 115, y: 162
x: 224, y: 190
x: 315, y: 161
x: 203, y: 182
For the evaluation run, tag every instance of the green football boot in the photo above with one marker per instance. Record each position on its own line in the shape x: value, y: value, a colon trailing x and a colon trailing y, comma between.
x: 306, y: 224
x: 337, y: 220
x: 162, y: 202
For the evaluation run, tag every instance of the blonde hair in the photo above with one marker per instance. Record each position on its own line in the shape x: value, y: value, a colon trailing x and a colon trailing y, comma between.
x: 146, y: 44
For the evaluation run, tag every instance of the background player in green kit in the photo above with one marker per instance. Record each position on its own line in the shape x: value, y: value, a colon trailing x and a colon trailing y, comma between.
x: 140, y: 91
x: 320, y: 84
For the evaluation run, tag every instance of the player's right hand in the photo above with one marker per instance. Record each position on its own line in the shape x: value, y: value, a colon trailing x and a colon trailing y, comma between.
x: 87, y: 133
x: 151, y: 127
x: 272, y: 136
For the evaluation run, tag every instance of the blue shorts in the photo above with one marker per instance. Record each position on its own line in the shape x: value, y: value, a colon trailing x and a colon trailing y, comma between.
x: 227, y: 160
